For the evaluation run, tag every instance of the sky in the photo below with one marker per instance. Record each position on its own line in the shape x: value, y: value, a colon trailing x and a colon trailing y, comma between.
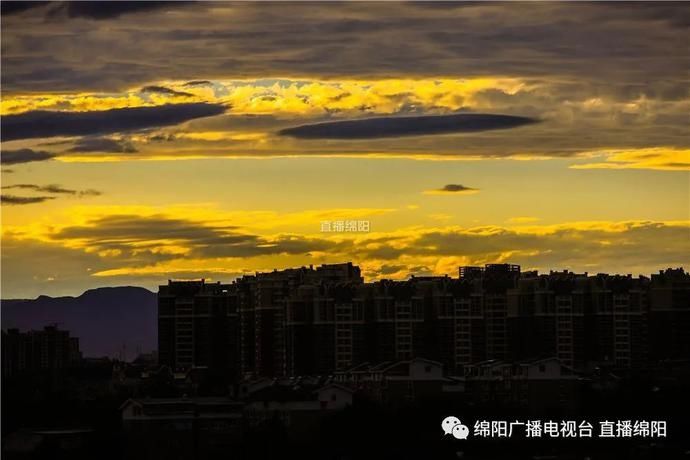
x: 144, y: 141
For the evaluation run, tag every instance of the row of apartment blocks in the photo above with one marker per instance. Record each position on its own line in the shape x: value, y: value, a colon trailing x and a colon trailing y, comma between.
x: 314, y: 321
x: 50, y: 349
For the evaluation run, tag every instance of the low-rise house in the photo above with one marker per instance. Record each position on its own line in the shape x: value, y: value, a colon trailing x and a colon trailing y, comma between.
x: 180, y: 427
x: 539, y: 385
x: 417, y: 379
x: 299, y: 409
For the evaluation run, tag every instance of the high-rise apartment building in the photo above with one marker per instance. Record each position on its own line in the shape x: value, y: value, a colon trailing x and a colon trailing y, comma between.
x: 582, y: 320
x: 313, y: 321
x: 299, y: 321
x: 50, y: 349
x: 198, y: 326
x: 669, y: 315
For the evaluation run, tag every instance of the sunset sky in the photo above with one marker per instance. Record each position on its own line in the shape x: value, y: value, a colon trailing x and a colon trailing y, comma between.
x: 142, y: 142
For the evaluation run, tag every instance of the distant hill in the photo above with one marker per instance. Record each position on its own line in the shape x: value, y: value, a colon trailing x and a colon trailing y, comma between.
x: 104, y: 318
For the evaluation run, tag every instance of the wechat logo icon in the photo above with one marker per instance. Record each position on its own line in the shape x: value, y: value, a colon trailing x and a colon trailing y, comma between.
x: 453, y: 425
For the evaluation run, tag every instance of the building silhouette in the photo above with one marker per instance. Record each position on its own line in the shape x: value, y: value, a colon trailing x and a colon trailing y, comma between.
x: 669, y: 315
x: 198, y: 326
x: 316, y: 321
x: 50, y: 349
x: 582, y: 320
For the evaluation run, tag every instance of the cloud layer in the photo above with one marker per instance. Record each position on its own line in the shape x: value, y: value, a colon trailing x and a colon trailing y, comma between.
x: 452, y: 189
x: 13, y: 157
x: 19, y: 200
x: 603, y: 78
x: 595, y: 41
x: 216, y: 80
x: 52, y: 188
x: 139, y: 247
x: 102, y: 144
x: 85, y: 9
x: 39, y: 124
x: 372, y: 128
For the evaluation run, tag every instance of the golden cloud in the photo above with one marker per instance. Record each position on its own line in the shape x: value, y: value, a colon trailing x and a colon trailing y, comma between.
x: 296, y: 97
x: 658, y: 158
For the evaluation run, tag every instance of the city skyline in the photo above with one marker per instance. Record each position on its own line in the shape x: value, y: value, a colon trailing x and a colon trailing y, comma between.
x: 150, y: 141
x: 312, y: 321
x: 121, y: 307
x: 405, y: 277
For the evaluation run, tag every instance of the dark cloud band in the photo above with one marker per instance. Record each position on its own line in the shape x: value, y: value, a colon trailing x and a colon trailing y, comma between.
x: 456, y: 188
x: 52, y: 188
x: 122, y: 232
x: 163, y: 90
x: 198, y: 83
x: 108, y: 10
x: 37, y: 124
x: 452, y: 188
x: 102, y: 144
x: 13, y: 157
x: 18, y: 200
x: 372, y: 128
x: 12, y: 7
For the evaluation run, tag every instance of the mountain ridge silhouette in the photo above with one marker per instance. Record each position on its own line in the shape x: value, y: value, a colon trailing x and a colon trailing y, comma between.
x: 104, y: 319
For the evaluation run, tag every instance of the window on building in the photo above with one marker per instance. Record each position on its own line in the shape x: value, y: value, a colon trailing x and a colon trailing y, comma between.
x: 357, y: 312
